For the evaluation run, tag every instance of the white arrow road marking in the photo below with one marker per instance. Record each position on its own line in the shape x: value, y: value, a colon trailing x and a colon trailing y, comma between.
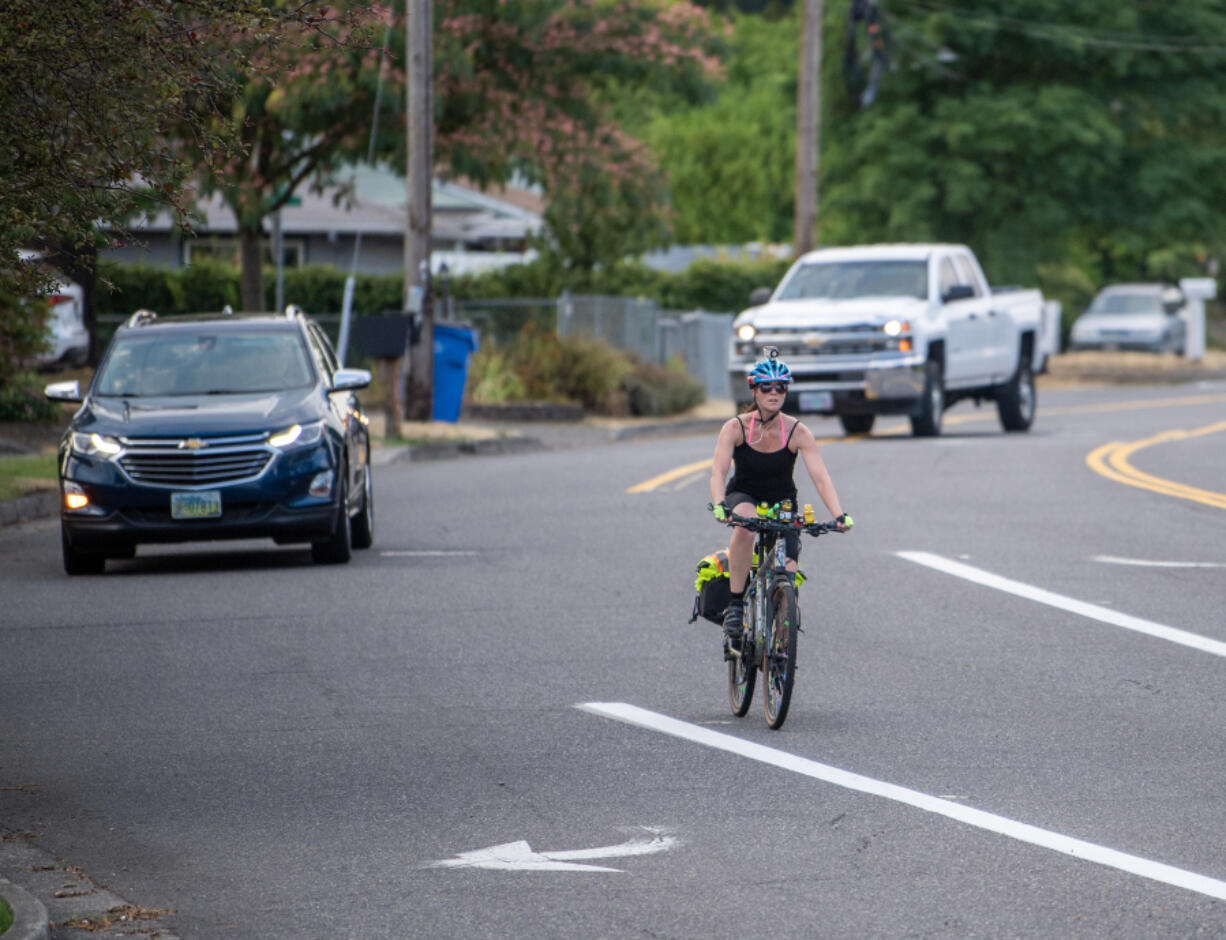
x: 1142, y: 563
x: 1023, y: 832
x: 519, y: 856
x: 1072, y: 605
x: 424, y: 553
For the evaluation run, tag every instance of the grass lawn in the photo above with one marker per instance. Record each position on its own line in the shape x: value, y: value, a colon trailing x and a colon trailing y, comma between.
x: 26, y: 474
x: 6, y: 917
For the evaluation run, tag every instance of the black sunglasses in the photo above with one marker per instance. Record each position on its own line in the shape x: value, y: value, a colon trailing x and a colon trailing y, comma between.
x: 776, y: 388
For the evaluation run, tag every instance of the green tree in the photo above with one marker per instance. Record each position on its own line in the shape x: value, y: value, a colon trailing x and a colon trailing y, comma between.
x: 91, y: 93
x: 1052, y: 131
x: 730, y: 162
x: 533, y: 88
x: 299, y: 109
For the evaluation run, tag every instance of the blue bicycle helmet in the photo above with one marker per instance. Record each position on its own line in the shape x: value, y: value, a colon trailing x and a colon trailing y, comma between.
x: 772, y: 369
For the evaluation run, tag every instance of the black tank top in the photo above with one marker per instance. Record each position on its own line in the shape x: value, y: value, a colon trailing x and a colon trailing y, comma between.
x: 767, y: 477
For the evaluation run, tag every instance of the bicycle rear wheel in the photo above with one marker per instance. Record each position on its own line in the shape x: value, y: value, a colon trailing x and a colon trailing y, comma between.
x: 742, y: 671
x: 779, y: 657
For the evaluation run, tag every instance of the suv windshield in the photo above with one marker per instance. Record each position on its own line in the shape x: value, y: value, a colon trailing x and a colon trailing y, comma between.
x: 1127, y: 303
x: 200, y: 362
x: 851, y: 279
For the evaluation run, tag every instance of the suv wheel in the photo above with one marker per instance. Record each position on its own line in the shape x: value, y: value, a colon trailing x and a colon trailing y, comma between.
x: 79, y: 562
x: 362, y: 528
x: 337, y: 549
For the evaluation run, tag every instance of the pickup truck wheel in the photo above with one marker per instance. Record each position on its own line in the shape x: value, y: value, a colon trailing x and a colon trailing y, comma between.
x: 927, y: 423
x: 1017, y: 399
x: 857, y: 424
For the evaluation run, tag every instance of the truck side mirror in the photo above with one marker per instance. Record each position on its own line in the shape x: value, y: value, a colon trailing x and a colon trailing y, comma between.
x: 758, y: 296
x: 958, y: 292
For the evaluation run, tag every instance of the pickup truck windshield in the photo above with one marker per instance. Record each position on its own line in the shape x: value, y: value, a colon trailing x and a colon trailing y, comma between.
x: 847, y: 280
x: 205, y: 363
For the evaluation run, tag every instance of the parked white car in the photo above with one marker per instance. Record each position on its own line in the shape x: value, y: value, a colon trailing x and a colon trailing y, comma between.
x: 68, y: 339
x: 1133, y: 316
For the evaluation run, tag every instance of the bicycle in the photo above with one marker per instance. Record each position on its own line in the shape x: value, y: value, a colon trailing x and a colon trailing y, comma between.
x: 772, y: 615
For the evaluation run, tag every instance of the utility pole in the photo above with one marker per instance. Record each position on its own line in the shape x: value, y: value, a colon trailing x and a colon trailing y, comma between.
x: 808, y: 129
x: 419, y: 385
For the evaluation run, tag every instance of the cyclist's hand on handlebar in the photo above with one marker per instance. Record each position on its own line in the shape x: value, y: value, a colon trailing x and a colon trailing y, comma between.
x: 844, y: 522
x: 719, y: 511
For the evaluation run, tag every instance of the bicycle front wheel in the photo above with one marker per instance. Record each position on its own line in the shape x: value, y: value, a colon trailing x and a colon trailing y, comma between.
x: 779, y: 657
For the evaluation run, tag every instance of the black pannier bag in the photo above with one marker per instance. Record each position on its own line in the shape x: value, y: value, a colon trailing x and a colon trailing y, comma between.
x: 713, y: 588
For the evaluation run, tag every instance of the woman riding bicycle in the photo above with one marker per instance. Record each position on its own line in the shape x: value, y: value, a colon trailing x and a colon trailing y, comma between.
x: 763, y: 444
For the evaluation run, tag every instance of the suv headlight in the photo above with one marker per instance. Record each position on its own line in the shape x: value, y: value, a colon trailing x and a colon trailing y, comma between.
x: 745, y: 332
x: 95, y: 445
x: 297, y: 435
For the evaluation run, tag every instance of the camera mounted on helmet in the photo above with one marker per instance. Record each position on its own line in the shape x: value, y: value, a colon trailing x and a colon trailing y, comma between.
x: 770, y: 370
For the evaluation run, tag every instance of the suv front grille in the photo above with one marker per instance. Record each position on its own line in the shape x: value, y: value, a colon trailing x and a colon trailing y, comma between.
x: 174, y: 462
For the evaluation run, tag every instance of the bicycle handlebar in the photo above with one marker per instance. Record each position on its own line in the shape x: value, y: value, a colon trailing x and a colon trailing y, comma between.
x: 759, y: 524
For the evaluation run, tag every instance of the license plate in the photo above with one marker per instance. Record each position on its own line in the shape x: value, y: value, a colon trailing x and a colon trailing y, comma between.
x: 816, y: 401
x: 205, y: 504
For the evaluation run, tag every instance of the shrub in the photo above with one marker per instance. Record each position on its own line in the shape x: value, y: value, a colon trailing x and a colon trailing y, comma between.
x: 591, y: 372
x: 662, y: 390
x: 21, y: 399
x: 540, y: 366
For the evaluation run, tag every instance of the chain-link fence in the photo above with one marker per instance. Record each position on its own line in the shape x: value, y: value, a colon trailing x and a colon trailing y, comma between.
x: 698, y: 338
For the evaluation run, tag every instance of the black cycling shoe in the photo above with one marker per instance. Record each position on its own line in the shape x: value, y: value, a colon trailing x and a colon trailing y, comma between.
x: 734, y: 623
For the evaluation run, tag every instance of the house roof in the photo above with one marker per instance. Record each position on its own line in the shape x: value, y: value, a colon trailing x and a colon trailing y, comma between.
x: 376, y: 205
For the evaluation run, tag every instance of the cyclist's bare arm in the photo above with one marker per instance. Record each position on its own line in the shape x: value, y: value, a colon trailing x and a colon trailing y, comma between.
x: 806, y: 446
x: 729, y: 434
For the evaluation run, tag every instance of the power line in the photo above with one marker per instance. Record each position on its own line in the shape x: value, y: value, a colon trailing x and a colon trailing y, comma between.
x: 1071, y: 34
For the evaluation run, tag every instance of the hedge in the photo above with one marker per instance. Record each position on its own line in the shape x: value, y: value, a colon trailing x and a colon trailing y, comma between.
x: 719, y: 286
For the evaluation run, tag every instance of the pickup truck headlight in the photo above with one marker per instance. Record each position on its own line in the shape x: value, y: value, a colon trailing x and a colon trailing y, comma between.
x: 745, y: 332
x: 896, y: 327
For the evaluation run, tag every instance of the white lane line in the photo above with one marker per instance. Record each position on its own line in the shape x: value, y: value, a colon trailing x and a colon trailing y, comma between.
x: 1081, y: 608
x: 1142, y: 563
x: 423, y: 553
x: 1023, y: 832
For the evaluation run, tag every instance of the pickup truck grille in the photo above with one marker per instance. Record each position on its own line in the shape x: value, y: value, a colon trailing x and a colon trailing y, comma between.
x: 834, y: 347
x: 194, y: 462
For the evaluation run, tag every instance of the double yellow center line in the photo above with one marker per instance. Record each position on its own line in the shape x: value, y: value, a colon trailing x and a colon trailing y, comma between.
x: 1111, y: 461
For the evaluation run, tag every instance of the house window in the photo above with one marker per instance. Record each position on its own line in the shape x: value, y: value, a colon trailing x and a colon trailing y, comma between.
x: 224, y: 248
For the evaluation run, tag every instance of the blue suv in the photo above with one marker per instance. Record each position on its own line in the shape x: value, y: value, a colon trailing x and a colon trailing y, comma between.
x: 215, y: 427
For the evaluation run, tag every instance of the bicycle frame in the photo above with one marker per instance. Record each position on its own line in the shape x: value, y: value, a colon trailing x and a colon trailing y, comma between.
x: 769, y: 565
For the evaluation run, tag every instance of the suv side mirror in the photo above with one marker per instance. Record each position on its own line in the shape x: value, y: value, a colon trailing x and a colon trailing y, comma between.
x: 63, y: 391
x: 350, y: 379
x: 958, y: 292
x: 758, y: 296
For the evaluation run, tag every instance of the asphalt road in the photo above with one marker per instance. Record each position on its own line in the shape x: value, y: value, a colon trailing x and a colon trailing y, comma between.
x: 272, y: 749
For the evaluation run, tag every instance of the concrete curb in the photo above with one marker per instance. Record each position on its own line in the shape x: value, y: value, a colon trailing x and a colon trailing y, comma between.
x: 665, y: 428
x: 25, y: 508
x: 445, y: 450
x: 30, y: 920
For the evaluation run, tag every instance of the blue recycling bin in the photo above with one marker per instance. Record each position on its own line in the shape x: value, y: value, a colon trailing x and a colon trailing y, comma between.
x: 453, y: 350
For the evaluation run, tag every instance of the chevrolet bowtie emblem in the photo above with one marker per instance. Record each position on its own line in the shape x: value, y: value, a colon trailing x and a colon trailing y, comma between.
x: 814, y: 339
x: 192, y: 443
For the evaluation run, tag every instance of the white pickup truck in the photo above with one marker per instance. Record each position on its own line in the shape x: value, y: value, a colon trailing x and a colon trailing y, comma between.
x: 895, y: 329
